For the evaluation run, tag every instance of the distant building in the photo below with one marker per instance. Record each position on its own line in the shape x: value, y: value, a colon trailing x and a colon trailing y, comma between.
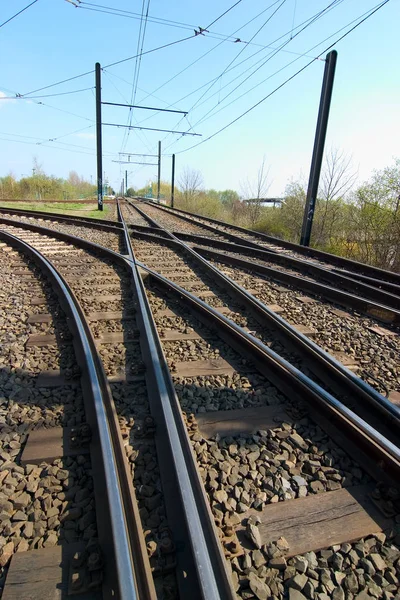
x: 263, y: 201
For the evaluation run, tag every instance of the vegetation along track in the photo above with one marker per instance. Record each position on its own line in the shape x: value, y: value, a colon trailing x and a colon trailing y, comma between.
x: 183, y: 221
x: 260, y: 441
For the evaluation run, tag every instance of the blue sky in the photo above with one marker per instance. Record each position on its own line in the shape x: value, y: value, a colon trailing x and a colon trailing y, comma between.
x: 52, y: 41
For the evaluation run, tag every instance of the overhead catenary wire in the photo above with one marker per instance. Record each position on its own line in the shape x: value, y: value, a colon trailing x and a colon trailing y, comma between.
x: 301, y: 27
x: 372, y: 12
x: 240, y: 52
x: 19, y: 97
x: 141, y: 38
x: 113, y: 64
x: 157, y: 20
x: 266, y: 60
x: 18, y: 13
x: 330, y: 7
x: 211, y: 49
x: 141, y: 54
x: 208, y: 116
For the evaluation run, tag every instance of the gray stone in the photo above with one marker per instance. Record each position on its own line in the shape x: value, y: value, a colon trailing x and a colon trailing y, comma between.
x: 278, y: 563
x: 351, y: 583
x: 300, y: 481
x: 338, y: 593
x: 6, y: 554
x: 22, y: 501
x: 19, y: 516
x: 296, y: 594
x: 311, y: 558
x: 336, y: 561
x: 298, y: 581
x: 317, y: 487
x: 363, y: 595
x: 300, y: 564
x: 71, y: 514
x: 221, y: 496
x: 298, y: 441
x: 259, y: 588
x: 378, y: 562
x: 258, y: 558
x: 309, y: 589
x: 253, y: 533
x: 367, y: 565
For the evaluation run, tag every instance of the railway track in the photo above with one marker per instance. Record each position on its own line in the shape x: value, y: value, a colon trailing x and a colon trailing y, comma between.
x: 358, y: 270
x: 47, y: 504
x: 307, y: 274
x: 227, y: 428
x: 362, y: 344
x: 234, y: 455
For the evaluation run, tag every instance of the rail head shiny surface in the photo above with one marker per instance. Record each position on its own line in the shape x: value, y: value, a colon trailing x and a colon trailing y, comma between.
x: 212, y: 577
x: 388, y: 447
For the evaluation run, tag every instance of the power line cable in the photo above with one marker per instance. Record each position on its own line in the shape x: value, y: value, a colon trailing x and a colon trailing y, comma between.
x: 118, y: 62
x: 157, y: 20
x: 211, y: 50
x: 301, y: 27
x: 126, y: 132
x: 270, y: 57
x: 237, y: 56
x: 138, y: 65
x: 283, y: 68
x: 223, y: 14
x: 40, y: 103
x: 19, y: 97
x: 372, y: 12
x: 331, y: 6
x: 18, y: 13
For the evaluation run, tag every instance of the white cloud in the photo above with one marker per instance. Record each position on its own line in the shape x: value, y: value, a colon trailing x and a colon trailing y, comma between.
x: 86, y: 136
x: 3, y: 102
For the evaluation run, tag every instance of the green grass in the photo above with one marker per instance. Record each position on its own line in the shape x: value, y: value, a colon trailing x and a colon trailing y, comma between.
x: 61, y: 208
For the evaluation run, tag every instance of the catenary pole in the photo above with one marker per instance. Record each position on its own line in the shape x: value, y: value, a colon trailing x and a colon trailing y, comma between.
x: 159, y: 172
x: 98, y: 139
x: 173, y: 181
x: 319, y: 143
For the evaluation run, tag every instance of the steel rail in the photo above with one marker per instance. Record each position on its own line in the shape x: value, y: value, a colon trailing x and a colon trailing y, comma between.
x: 348, y: 284
x: 229, y: 236
x: 366, y: 288
x: 127, y: 570
x: 65, y: 237
x: 352, y: 286
x: 112, y: 226
x: 393, y: 288
x: 340, y: 261
x: 324, y: 365
x: 370, y: 308
x: 336, y: 295
x: 207, y: 577
x: 291, y: 381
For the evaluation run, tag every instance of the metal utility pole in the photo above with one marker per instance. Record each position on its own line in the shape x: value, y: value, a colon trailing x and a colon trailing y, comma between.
x: 126, y: 181
x: 159, y: 172
x: 173, y: 181
x: 98, y: 139
x: 319, y: 143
